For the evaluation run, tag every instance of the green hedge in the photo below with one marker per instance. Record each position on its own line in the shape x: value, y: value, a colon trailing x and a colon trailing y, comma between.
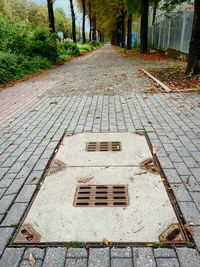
x: 24, y: 50
x: 13, y: 66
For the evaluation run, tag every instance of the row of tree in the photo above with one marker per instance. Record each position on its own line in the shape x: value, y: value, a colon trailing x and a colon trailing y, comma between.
x: 113, y: 19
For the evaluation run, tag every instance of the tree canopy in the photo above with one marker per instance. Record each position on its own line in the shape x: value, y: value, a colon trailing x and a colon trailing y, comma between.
x: 34, y: 15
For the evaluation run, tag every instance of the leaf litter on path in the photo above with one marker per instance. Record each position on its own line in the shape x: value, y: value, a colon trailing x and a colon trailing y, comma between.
x: 85, y: 179
x: 150, y: 166
x: 31, y: 260
x: 175, y: 77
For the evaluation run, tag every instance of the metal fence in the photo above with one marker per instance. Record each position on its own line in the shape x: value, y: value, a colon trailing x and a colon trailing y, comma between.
x: 174, y: 33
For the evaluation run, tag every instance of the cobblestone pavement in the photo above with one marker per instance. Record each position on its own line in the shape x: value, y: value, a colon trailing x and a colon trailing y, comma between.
x: 18, y: 97
x: 100, y: 92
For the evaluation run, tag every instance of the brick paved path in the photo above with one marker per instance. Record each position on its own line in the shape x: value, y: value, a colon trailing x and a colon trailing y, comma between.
x: 101, y: 91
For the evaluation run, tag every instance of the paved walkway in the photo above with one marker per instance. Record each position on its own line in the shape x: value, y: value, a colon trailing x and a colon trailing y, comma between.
x: 100, y: 92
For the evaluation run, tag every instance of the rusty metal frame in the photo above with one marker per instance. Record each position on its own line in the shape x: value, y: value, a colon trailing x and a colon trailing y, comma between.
x: 27, y: 234
x: 172, y: 234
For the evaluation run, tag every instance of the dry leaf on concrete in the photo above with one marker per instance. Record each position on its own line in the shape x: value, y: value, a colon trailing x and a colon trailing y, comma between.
x: 188, y: 228
x: 190, y: 223
x: 85, y: 179
x: 150, y: 166
x: 139, y: 133
x: 31, y: 260
x: 53, y: 103
x: 155, y: 149
x: 33, y: 178
x: 106, y: 242
x: 188, y: 108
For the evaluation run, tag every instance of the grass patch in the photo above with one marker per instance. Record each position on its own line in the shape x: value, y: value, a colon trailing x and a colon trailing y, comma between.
x: 75, y: 244
x: 84, y: 48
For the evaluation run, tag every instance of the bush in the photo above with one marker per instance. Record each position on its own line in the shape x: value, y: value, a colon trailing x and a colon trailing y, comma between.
x: 44, y: 44
x: 95, y: 43
x: 14, y: 66
x: 24, y: 49
x: 67, y: 49
x: 85, y: 47
x: 71, y: 48
x: 14, y: 36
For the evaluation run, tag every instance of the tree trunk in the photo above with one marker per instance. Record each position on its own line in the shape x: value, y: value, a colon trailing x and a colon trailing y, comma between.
x: 83, y: 25
x: 113, y: 40
x: 155, y: 6
x: 51, y: 15
x: 90, y: 19
x: 94, y: 32
x: 129, y: 33
x: 193, y: 66
x: 118, y: 31
x: 123, y: 29
x: 144, y: 26
x: 73, y: 21
x: 102, y: 36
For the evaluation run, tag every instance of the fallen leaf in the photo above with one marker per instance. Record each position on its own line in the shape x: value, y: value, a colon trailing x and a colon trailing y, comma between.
x: 106, y: 242
x: 85, y: 179
x: 155, y: 149
x: 190, y: 223
x: 31, y: 260
x: 131, y: 179
x: 53, y: 103
x: 170, y: 190
x: 188, y: 228
x: 139, y: 133
x: 188, y: 108
x: 149, y: 166
x: 33, y: 178
x: 188, y: 180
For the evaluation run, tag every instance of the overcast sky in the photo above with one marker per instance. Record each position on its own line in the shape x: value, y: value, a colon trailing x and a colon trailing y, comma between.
x: 65, y: 5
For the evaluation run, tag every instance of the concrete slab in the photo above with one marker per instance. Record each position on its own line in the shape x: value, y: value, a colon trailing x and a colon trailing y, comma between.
x: 134, y: 150
x: 55, y: 218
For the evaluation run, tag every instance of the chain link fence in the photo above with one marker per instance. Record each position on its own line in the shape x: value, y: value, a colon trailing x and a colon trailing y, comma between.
x: 174, y: 33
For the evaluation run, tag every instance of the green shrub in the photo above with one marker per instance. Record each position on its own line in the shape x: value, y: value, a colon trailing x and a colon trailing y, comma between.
x: 25, y: 50
x: 95, y: 43
x: 85, y: 47
x: 14, y: 66
x: 14, y: 36
x: 44, y: 44
x: 68, y: 49
x: 71, y: 48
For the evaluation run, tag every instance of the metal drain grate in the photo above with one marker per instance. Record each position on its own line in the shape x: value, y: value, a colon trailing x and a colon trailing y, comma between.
x: 101, y: 196
x: 103, y: 146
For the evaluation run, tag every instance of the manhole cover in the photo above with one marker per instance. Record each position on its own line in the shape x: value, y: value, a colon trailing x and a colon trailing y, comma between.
x: 117, y: 196
x: 101, y: 195
x: 103, y: 149
x: 103, y: 146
